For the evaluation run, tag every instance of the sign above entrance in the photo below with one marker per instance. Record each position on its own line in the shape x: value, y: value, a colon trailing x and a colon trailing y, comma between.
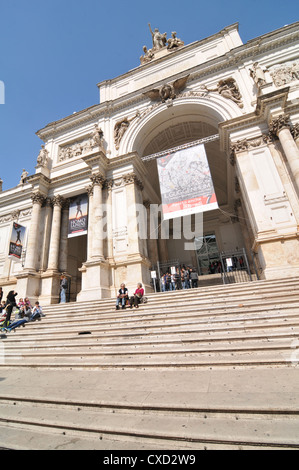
x: 78, y: 216
x: 186, y: 183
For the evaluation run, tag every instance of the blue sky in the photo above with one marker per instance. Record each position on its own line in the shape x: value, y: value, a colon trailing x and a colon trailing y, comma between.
x: 53, y: 54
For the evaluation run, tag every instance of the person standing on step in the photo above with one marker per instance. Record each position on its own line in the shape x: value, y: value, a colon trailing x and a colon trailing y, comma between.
x: 63, y: 289
x: 10, y: 304
x: 123, y: 296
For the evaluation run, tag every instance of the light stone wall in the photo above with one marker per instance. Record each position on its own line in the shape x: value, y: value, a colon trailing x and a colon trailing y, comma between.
x: 220, y: 91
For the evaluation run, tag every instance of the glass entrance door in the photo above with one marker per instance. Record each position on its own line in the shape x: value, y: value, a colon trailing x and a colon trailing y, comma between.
x: 207, y: 254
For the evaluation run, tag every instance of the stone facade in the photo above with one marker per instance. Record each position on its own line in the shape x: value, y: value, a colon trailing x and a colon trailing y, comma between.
x: 246, y: 93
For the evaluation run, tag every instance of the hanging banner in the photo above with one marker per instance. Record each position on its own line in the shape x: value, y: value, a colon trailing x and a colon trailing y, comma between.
x: 17, y: 241
x: 186, y: 183
x: 78, y: 216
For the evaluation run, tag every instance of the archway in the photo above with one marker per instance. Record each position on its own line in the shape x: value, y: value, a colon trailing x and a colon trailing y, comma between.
x: 186, y: 121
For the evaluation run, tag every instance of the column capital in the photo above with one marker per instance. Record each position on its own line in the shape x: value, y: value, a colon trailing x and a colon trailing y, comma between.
x: 295, y: 131
x: 282, y: 122
x: 97, y: 179
x: 38, y: 198
x: 58, y: 201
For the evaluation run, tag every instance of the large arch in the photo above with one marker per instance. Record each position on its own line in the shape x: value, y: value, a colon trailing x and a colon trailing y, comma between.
x: 185, y: 120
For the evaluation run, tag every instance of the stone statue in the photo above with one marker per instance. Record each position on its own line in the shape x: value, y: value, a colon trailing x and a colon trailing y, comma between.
x: 119, y: 130
x: 43, y: 158
x: 174, y: 42
x: 148, y: 55
x: 257, y: 73
x: 24, y: 176
x: 159, y: 40
x: 229, y: 89
x: 98, y: 136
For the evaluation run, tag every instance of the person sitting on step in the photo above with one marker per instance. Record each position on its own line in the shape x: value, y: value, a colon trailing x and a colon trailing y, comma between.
x: 123, y: 296
x: 138, y: 294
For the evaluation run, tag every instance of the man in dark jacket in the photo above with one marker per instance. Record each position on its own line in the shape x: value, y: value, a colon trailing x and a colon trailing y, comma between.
x: 123, y: 296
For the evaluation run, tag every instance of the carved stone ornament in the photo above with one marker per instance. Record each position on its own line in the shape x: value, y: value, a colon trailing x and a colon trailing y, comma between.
x: 228, y: 88
x: 282, y: 74
x: 58, y: 201
x: 276, y: 125
x: 245, y: 144
x: 132, y: 178
x: 160, y: 41
x: 83, y: 146
x: 38, y: 198
x: 97, y: 179
x: 43, y: 157
x: 120, y: 129
x: 257, y: 74
x: 168, y: 91
x: 295, y: 131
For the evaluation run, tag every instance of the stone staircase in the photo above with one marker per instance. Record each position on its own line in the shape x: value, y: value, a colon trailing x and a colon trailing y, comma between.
x: 131, y: 379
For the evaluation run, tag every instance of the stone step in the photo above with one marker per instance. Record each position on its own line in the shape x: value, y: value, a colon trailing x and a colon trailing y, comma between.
x: 247, y: 288
x: 187, y: 427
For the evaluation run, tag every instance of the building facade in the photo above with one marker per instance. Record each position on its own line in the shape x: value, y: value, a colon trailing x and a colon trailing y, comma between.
x: 240, y: 100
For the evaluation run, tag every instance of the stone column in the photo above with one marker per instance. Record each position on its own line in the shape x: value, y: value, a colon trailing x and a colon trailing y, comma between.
x: 57, y: 202
x: 30, y: 264
x: 90, y: 221
x: 64, y: 237
x: 281, y: 128
x: 97, y: 232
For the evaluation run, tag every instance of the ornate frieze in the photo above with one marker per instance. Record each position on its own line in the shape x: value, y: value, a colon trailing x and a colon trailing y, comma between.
x: 248, y: 144
x: 15, y: 215
x: 282, y: 74
x: 82, y: 147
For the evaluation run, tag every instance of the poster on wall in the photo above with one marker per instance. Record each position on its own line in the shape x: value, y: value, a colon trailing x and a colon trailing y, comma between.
x: 186, y: 183
x: 78, y: 216
x: 17, y: 241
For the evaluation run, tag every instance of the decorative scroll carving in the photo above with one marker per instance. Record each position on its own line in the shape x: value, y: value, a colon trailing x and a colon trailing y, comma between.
x: 129, y: 178
x: 247, y: 144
